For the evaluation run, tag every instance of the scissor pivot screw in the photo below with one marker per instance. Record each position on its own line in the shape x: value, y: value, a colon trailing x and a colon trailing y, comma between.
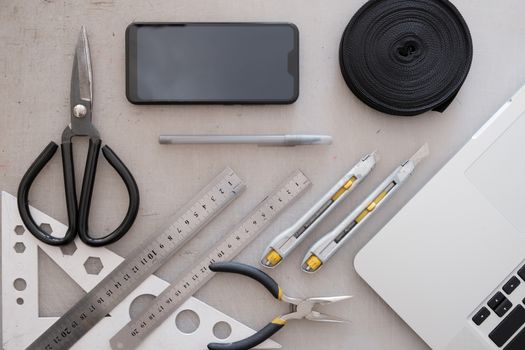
x: 79, y: 111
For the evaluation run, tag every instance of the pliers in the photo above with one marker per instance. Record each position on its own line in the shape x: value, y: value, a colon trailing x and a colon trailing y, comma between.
x: 300, y: 308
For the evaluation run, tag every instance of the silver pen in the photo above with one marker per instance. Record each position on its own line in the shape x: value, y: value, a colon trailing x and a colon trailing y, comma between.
x: 262, y: 140
x: 286, y: 241
x: 325, y: 248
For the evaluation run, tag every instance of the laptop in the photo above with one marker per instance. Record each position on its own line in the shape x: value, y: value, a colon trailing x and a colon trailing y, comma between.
x: 451, y: 263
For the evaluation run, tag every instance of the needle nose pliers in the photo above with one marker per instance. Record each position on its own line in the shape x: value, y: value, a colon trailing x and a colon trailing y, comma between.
x: 299, y: 308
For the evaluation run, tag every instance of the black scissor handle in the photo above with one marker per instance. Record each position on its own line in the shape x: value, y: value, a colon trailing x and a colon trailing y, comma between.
x: 77, y: 218
x: 87, y: 192
x: 69, y: 184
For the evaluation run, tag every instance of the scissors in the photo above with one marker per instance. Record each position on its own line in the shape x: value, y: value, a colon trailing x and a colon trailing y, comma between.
x: 81, y: 97
x: 299, y: 308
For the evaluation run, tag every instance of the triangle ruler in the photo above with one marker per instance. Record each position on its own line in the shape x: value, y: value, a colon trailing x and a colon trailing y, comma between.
x: 21, y: 323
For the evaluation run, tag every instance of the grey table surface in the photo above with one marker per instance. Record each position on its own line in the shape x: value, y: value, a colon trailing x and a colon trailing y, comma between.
x: 37, y: 41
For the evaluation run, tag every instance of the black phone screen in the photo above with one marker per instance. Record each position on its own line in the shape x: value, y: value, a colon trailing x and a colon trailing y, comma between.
x: 245, y: 63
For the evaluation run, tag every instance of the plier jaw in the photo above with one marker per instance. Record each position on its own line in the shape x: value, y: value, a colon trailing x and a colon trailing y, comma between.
x: 306, y: 308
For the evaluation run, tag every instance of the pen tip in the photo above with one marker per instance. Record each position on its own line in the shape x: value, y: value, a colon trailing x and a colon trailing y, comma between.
x: 325, y: 140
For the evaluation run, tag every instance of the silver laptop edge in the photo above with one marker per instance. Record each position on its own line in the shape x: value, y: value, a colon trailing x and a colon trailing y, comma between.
x: 456, y: 242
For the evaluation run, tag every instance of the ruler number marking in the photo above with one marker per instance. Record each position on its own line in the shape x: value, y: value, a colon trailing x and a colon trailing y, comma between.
x: 78, y: 320
x: 225, y: 250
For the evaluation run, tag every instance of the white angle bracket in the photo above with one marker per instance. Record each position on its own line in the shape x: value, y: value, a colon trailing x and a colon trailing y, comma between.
x: 21, y: 323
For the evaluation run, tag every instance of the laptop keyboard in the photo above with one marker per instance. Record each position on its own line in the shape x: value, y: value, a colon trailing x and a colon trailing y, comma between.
x: 510, y: 325
x: 502, y: 317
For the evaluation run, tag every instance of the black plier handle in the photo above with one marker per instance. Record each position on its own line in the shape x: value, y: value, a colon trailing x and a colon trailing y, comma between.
x: 78, y: 216
x: 270, y: 284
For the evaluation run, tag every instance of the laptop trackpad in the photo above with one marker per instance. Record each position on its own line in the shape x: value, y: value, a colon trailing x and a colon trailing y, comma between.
x: 500, y: 174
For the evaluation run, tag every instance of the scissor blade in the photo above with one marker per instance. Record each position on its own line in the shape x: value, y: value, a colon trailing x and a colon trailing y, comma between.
x: 82, y: 78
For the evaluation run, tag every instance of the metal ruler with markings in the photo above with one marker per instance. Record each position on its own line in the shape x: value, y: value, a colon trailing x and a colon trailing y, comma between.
x: 242, y: 234
x: 146, y: 259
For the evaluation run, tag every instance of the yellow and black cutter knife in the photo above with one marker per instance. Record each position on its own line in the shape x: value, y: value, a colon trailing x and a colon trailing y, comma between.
x: 300, y: 308
x: 330, y: 243
x: 285, y: 242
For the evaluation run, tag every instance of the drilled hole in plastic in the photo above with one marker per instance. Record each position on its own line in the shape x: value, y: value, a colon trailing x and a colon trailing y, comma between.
x: 19, y: 301
x: 187, y: 321
x: 19, y: 229
x: 69, y: 249
x: 46, y: 228
x: 139, y: 304
x: 93, y: 265
x: 222, y: 330
x: 20, y: 284
x: 19, y: 247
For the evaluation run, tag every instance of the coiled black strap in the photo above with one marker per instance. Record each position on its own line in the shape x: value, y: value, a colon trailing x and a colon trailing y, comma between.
x: 406, y: 57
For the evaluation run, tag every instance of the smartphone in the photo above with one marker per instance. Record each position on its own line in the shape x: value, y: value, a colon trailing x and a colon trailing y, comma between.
x: 212, y: 63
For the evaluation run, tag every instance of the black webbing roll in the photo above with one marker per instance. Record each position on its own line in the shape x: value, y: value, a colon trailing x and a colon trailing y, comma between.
x: 406, y: 57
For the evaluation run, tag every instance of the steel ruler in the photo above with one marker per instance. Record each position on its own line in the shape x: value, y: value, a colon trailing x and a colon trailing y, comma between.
x: 242, y: 234
x: 142, y: 263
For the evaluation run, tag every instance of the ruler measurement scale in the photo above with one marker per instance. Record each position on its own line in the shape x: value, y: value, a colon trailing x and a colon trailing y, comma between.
x: 143, y: 262
x: 168, y: 301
